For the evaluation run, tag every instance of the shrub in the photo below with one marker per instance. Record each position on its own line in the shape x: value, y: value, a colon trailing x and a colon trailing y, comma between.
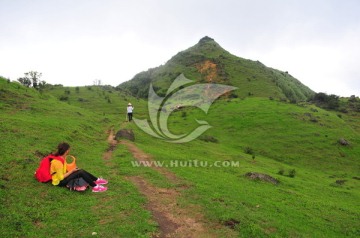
x: 64, y: 98
x: 292, y: 173
x: 313, y: 119
x: 248, y: 150
x: 209, y: 139
x: 326, y: 101
x: 281, y: 171
x: 233, y: 95
x: 25, y: 81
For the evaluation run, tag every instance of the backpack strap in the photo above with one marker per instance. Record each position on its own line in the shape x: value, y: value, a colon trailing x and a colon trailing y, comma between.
x: 59, y: 158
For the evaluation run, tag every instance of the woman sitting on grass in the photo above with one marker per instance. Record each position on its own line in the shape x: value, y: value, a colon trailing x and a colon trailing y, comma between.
x: 61, y: 177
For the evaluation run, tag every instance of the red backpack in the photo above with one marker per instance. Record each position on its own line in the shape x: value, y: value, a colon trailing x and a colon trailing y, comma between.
x: 42, y: 173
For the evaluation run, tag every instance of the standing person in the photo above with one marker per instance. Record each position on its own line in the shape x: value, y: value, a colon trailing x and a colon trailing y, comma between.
x: 61, y: 177
x: 130, y: 109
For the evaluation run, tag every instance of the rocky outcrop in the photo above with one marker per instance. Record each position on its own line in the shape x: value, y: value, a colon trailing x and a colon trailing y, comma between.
x: 125, y: 134
x: 262, y: 177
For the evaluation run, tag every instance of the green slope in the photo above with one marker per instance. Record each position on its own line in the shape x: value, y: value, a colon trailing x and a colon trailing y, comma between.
x: 279, y: 137
x: 207, y: 61
x: 104, y: 100
x: 319, y: 201
x: 32, y: 124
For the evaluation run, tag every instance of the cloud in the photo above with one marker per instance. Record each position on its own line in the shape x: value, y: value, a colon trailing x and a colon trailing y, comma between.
x: 75, y: 42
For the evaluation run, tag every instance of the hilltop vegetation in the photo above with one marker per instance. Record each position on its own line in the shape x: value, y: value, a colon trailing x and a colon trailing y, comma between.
x: 208, y: 62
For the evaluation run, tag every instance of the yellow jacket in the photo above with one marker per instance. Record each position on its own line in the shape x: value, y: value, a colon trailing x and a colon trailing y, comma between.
x: 57, y: 169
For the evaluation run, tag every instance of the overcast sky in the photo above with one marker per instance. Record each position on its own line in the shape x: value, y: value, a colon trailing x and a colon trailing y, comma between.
x: 74, y: 42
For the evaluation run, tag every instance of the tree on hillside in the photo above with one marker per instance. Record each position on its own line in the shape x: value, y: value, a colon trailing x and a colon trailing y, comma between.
x: 326, y: 101
x: 35, y: 78
x: 32, y: 78
x: 25, y: 81
x: 97, y: 82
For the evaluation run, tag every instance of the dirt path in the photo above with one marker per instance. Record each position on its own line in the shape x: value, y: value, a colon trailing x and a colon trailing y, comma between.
x: 174, y: 221
x: 139, y: 155
x: 105, y: 200
x: 112, y: 145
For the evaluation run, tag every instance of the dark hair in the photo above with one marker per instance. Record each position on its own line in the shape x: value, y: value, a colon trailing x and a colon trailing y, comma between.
x: 62, y: 148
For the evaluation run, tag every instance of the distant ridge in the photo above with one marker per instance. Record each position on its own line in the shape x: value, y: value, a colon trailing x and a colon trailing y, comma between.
x: 207, y: 61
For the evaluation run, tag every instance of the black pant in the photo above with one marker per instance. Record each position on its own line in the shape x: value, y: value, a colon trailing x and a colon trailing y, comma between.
x: 88, y: 177
x: 130, y: 116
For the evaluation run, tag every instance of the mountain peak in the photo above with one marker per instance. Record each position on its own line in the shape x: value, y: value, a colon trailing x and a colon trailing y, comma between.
x: 205, y: 39
x: 207, y: 62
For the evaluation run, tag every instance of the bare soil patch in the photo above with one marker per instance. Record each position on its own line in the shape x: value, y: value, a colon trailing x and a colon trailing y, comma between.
x: 174, y: 221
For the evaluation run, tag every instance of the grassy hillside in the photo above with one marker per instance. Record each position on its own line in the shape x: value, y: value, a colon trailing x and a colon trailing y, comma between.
x: 268, y: 136
x: 31, y: 125
x: 256, y: 134
x: 207, y: 62
x: 103, y: 100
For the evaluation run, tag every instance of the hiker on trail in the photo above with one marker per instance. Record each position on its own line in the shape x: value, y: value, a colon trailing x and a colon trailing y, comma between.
x: 130, y: 109
x: 61, y: 177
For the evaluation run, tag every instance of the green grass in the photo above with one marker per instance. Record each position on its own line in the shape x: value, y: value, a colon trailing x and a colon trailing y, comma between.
x: 298, y: 205
x: 33, y: 124
x: 281, y: 135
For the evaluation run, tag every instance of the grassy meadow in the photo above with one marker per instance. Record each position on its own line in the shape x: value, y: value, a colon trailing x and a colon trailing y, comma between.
x: 255, y: 134
x: 32, y: 124
x: 281, y: 137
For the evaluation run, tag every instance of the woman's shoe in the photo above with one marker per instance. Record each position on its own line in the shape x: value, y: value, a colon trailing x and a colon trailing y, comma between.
x: 99, y: 188
x: 101, y: 181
